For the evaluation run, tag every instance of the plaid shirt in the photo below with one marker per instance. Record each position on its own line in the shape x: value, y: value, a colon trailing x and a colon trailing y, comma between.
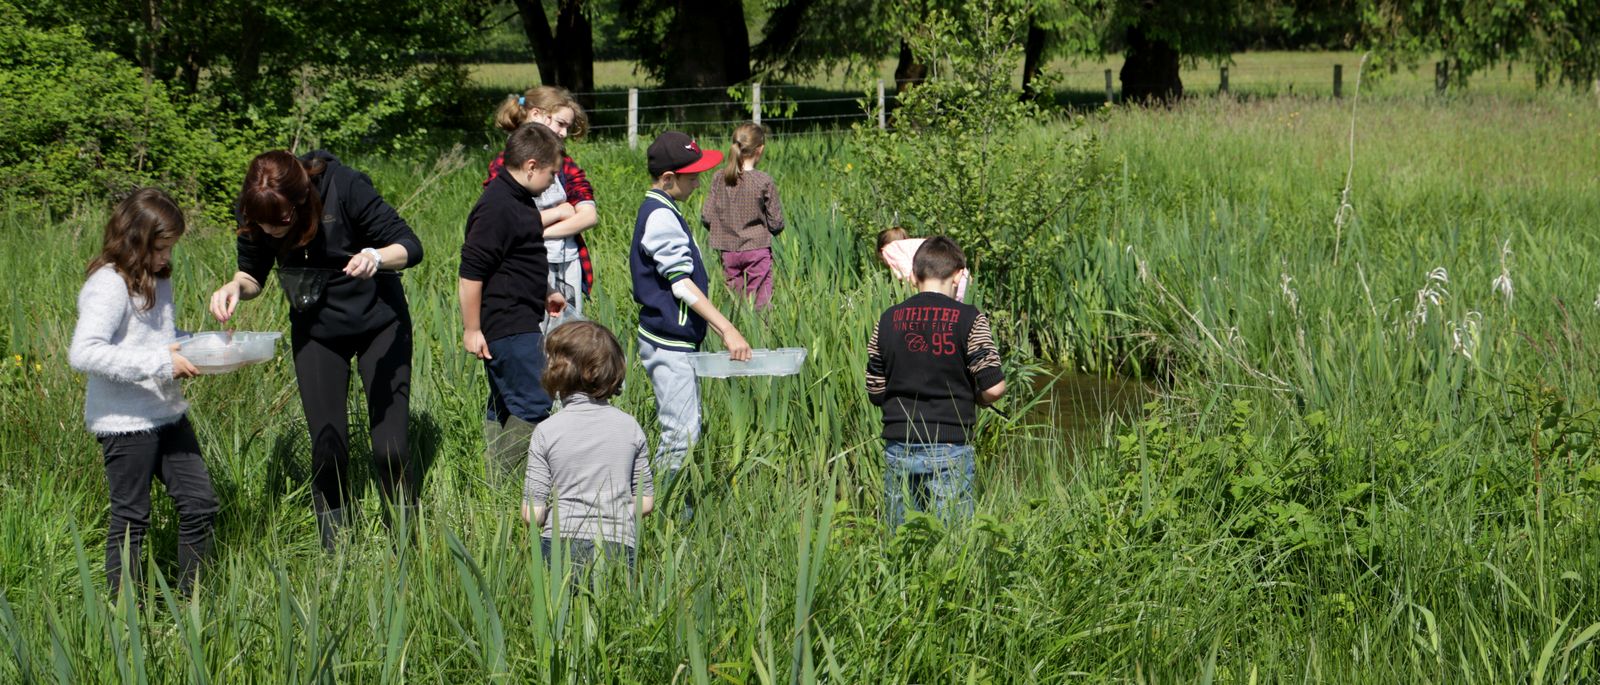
x: 745, y: 216
x: 578, y: 192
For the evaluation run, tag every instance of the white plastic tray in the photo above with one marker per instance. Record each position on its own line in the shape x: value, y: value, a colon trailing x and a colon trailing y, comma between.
x: 780, y: 362
x: 217, y: 352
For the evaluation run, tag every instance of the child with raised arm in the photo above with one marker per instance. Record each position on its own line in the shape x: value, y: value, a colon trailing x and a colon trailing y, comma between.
x: 589, y: 461
x: 124, y: 342
x: 504, y: 296
x: 743, y: 213
x: 669, y: 283
x: 931, y: 361
x: 898, y: 249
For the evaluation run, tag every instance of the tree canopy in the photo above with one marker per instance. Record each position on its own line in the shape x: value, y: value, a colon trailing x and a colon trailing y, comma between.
x: 1558, y: 39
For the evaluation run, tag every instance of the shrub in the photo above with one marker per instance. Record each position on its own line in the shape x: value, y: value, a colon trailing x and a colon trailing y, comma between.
x: 345, y: 109
x: 80, y: 122
x: 966, y: 159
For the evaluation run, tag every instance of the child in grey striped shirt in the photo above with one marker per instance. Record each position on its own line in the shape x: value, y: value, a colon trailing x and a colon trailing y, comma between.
x: 590, y: 462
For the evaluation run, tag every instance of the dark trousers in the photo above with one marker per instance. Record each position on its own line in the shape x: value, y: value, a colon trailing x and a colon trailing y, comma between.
x: 322, y: 367
x: 516, y: 374
x: 517, y: 403
x: 172, y: 454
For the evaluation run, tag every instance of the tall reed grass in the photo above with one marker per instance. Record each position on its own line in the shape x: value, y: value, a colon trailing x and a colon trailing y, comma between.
x: 1341, y: 481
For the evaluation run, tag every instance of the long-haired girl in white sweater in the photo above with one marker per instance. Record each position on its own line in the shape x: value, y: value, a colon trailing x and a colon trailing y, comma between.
x: 134, y: 405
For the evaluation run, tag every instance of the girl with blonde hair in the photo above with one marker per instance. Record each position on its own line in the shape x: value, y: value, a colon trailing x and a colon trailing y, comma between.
x: 567, y: 208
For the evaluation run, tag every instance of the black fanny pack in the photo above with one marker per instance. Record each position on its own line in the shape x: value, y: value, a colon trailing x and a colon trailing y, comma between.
x: 303, y: 286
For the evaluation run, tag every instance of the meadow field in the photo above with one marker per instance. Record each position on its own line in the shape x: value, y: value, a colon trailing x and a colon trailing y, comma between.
x: 1368, y: 454
x: 1250, y: 74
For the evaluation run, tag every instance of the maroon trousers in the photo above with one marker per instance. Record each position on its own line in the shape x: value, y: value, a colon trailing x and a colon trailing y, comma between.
x: 750, y: 272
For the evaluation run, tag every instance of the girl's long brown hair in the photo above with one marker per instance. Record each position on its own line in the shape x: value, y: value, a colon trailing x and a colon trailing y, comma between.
x: 278, y: 190
x: 142, y: 225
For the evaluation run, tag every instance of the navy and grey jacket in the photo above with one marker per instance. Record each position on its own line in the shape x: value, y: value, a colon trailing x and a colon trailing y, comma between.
x: 663, y: 253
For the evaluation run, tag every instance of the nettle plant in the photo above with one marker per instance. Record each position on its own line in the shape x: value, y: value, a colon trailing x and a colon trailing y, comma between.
x: 967, y: 157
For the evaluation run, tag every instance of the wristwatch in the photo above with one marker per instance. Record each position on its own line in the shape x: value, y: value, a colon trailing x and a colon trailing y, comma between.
x: 377, y: 259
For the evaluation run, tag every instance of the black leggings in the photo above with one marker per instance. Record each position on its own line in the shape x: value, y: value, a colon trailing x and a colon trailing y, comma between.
x: 323, y: 368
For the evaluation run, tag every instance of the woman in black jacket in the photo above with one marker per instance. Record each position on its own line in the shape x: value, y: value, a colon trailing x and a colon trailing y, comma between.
x: 338, y: 247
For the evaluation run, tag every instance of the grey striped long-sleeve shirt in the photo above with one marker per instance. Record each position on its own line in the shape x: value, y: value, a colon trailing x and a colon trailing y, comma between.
x: 588, y: 462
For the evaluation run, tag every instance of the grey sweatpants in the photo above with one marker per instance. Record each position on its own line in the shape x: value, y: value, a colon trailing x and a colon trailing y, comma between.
x: 677, y: 403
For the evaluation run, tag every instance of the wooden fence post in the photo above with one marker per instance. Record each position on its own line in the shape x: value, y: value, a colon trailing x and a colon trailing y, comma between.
x: 1110, y: 95
x: 883, y: 119
x: 755, y: 103
x: 1338, y: 81
x: 1222, y: 86
x: 633, y: 118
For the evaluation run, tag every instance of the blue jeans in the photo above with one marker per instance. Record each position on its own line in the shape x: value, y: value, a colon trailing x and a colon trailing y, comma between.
x: 515, y: 374
x: 582, y: 554
x: 939, y: 478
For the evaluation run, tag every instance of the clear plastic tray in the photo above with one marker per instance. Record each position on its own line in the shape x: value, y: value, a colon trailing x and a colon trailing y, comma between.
x: 217, y: 352
x: 780, y: 362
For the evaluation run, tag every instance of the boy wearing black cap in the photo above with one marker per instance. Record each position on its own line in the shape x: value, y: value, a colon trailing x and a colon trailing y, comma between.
x: 669, y: 283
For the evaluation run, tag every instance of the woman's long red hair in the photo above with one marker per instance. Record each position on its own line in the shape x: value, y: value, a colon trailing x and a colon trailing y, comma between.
x: 277, y: 191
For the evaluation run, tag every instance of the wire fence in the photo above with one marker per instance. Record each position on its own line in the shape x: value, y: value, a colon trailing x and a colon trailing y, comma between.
x: 796, y: 110
x: 786, y: 110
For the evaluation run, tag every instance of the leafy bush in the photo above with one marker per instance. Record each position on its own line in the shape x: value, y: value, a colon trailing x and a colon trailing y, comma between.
x: 966, y: 159
x: 80, y: 122
x: 344, y: 109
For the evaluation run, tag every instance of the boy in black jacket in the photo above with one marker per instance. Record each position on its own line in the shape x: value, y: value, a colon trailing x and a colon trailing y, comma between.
x: 931, y: 361
x: 504, y: 295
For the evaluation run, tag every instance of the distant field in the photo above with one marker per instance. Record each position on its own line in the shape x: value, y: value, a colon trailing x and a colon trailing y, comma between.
x: 1306, y: 73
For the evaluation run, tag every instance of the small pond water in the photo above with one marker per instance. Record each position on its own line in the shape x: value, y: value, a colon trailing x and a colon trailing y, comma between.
x: 1080, y: 403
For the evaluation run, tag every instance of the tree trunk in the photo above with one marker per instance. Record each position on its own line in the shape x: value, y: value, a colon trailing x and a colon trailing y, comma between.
x: 247, y: 68
x: 190, y: 74
x: 908, y: 71
x: 707, y: 44
x: 543, y: 42
x: 575, y: 51
x: 1032, y: 58
x: 1150, y: 69
x: 565, y: 55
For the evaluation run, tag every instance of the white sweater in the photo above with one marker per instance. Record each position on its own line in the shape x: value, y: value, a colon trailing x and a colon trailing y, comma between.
x: 124, y: 352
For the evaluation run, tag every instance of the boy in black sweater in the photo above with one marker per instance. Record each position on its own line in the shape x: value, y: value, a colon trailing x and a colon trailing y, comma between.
x: 504, y: 295
x: 931, y: 361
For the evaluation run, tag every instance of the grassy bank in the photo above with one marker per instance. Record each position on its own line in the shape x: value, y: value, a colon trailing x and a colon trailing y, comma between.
x: 1359, y: 472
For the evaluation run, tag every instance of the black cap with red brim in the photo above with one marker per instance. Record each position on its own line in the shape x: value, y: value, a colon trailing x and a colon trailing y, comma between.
x: 675, y: 151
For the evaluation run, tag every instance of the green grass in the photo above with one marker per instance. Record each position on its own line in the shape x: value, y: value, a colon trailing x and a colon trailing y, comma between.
x: 1328, y: 488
